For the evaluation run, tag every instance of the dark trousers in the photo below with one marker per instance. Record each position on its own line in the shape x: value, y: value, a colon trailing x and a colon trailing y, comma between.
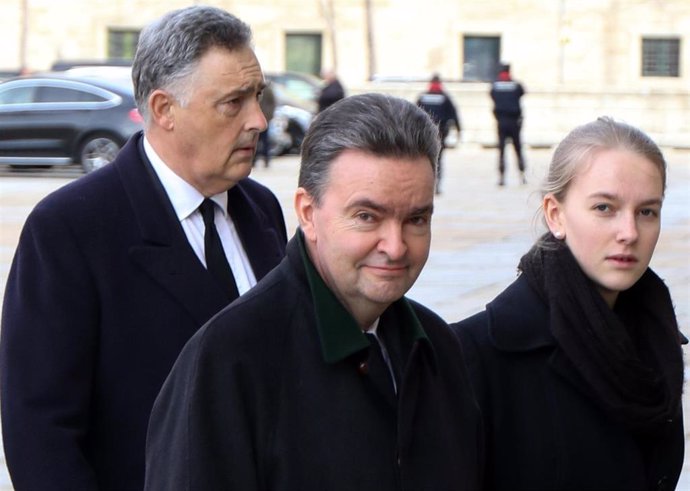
x: 509, y: 128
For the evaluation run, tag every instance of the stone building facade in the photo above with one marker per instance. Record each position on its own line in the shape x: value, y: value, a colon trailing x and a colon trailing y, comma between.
x: 577, y: 58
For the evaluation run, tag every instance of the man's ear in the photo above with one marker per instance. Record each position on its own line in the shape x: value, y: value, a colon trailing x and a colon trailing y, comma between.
x: 553, y: 214
x: 161, y: 107
x: 304, y: 208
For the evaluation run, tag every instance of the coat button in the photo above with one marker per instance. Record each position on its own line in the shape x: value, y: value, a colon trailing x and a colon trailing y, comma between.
x: 363, y: 368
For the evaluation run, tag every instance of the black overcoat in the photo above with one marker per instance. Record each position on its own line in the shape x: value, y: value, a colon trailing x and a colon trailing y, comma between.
x: 542, y: 431
x: 103, y: 292
x: 252, y: 404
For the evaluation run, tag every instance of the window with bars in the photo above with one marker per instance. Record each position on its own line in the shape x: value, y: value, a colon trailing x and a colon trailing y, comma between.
x: 660, y: 57
x: 122, y: 43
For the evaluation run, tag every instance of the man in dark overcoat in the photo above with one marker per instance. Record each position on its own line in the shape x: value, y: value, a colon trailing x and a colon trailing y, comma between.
x: 324, y: 375
x: 110, y: 276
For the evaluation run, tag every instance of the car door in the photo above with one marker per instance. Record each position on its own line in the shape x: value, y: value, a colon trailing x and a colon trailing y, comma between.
x: 20, y: 121
x: 60, y: 114
x: 41, y: 120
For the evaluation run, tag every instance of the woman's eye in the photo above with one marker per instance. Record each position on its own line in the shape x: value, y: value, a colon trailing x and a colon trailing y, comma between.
x: 602, y: 207
x: 649, y: 212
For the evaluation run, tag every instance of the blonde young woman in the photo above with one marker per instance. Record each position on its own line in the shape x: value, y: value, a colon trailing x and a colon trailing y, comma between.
x: 577, y: 365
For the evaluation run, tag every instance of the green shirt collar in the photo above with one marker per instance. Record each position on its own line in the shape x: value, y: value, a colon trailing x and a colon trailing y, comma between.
x: 339, y: 333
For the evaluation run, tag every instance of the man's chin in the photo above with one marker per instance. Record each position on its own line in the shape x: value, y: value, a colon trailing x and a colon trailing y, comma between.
x: 241, y: 168
x: 386, y: 296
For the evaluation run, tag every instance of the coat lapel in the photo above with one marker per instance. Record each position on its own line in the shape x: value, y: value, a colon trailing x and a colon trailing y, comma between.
x: 259, y: 238
x: 164, y: 252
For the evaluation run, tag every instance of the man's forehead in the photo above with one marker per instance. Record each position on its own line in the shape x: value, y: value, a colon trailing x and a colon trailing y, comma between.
x: 381, y: 186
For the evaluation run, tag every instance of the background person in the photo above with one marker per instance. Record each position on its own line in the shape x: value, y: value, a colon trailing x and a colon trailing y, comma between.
x: 342, y: 383
x: 440, y: 107
x: 332, y: 90
x: 577, y: 365
x: 506, y: 94
x: 109, y: 278
x: 268, y: 107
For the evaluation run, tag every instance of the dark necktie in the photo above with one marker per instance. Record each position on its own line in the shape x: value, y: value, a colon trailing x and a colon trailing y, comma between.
x: 216, y: 262
x: 382, y: 352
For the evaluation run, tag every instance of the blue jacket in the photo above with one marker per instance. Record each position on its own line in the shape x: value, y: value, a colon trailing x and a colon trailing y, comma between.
x: 506, y: 95
x: 441, y: 109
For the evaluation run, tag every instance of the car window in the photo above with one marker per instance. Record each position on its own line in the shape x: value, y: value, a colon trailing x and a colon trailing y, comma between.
x: 62, y: 94
x: 301, y: 88
x: 17, y: 95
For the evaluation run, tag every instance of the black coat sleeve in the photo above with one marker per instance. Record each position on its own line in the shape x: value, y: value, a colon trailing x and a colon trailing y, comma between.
x: 46, y: 375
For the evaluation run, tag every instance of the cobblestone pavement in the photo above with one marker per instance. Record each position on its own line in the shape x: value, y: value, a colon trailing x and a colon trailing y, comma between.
x: 479, y: 231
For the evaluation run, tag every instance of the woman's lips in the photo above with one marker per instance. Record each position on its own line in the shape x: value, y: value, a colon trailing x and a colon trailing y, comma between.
x: 623, y: 259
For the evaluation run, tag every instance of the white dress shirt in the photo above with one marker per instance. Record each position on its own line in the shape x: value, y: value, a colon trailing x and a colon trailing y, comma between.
x: 186, y: 201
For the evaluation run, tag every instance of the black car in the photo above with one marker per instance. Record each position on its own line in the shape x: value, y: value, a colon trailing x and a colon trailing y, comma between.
x: 63, y: 118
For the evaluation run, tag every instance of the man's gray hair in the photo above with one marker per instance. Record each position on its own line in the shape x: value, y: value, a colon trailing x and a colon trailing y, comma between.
x: 378, y: 124
x: 169, y: 49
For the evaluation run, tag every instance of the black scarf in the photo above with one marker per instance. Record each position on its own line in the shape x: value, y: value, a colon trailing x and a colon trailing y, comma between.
x: 630, y: 357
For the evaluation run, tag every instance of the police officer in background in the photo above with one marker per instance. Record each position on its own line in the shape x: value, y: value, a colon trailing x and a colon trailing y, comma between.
x: 506, y: 94
x: 442, y: 110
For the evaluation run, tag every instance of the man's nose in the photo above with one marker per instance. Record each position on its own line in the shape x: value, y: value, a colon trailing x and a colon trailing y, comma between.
x: 257, y: 120
x: 392, y: 241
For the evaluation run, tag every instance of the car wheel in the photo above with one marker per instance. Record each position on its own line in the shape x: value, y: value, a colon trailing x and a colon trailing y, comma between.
x: 97, y: 151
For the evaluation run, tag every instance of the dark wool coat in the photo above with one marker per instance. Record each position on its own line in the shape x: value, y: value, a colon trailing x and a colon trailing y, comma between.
x: 252, y: 403
x: 542, y: 431
x: 103, y: 293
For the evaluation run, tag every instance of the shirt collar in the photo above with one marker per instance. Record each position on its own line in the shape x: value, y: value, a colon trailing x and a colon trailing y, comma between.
x: 184, y: 197
x: 339, y: 333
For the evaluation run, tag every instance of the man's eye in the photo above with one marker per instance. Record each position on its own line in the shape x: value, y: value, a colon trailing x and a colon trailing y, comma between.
x: 420, y: 220
x: 602, y: 207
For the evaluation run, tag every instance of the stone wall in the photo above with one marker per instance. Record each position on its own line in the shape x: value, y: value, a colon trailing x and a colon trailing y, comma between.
x: 577, y: 58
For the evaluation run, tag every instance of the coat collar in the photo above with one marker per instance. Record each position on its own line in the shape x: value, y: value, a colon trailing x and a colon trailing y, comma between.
x: 518, y: 319
x: 264, y: 247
